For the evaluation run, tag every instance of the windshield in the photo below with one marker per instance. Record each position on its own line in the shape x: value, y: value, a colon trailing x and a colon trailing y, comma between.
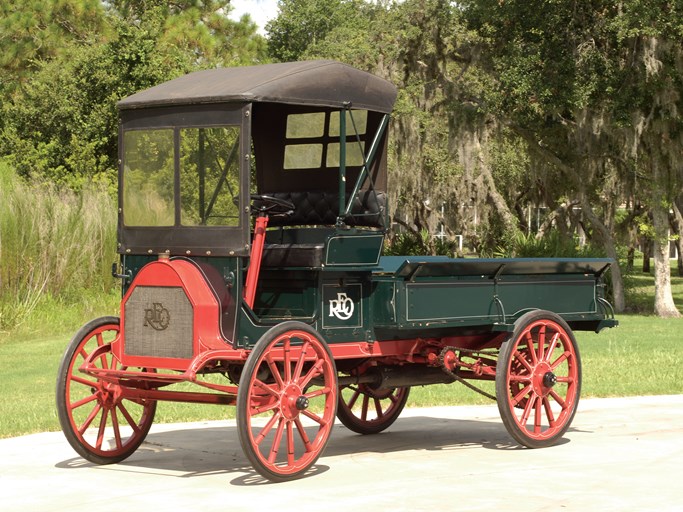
x: 206, y: 190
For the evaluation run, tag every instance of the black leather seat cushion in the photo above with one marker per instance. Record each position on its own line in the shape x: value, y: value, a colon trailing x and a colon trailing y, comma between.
x: 293, y: 255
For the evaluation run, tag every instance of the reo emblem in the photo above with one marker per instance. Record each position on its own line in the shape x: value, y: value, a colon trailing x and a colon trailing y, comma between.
x: 157, y: 317
x: 341, y: 307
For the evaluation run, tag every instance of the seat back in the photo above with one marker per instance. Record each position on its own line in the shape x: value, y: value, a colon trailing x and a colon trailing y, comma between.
x: 318, y: 208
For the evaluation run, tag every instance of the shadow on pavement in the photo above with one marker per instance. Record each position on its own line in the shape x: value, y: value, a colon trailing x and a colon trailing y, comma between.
x: 202, y: 451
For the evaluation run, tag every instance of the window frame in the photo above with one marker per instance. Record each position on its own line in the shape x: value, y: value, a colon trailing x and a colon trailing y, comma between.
x: 188, y: 240
x: 327, y: 139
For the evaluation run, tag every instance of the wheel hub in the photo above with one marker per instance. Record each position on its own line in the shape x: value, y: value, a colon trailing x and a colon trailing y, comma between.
x: 292, y: 402
x: 543, y: 379
x: 301, y: 403
x: 549, y: 379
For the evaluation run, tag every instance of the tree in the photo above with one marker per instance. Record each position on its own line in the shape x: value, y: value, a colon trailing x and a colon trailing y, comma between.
x: 302, y: 23
x: 650, y: 39
x: 593, y: 88
x: 62, y: 124
x: 32, y: 31
x: 200, y: 28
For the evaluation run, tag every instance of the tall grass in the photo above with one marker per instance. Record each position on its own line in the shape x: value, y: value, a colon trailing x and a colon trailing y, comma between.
x: 54, y: 245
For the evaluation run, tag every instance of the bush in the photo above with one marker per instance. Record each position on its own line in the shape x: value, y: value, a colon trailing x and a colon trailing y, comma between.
x: 53, y: 244
x: 411, y: 244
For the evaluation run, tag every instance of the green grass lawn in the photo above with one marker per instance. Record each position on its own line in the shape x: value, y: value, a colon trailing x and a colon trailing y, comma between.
x: 643, y: 355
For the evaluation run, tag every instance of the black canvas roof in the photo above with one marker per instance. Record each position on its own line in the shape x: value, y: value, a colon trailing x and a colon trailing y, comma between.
x: 321, y: 83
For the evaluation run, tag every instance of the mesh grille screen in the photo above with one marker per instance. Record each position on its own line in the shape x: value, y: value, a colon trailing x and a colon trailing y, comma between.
x: 158, y: 322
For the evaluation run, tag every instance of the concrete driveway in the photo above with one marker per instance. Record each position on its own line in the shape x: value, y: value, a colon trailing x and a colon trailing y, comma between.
x: 621, y: 454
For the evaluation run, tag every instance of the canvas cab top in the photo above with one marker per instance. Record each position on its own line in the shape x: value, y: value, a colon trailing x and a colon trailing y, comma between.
x: 194, y: 150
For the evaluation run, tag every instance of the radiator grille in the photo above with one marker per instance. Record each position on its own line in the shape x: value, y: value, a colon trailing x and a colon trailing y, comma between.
x: 158, y: 322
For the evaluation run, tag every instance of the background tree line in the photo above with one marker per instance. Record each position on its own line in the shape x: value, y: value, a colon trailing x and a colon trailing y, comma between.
x: 518, y: 124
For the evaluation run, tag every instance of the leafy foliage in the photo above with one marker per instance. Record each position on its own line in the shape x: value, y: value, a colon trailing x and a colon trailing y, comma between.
x: 305, y: 23
x: 32, y: 31
x: 62, y: 124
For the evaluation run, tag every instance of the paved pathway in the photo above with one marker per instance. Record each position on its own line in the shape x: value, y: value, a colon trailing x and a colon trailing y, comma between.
x: 621, y: 455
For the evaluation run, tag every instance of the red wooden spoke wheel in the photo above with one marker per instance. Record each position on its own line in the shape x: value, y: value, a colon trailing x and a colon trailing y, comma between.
x: 286, y: 402
x: 369, y: 411
x: 538, y: 379
x: 101, y: 425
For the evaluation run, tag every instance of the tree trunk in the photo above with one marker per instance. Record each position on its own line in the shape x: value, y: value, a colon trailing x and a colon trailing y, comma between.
x: 647, y: 249
x: 629, y: 259
x: 610, y: 248
x: 664, y: 302
x: 506, y: 216
x: 677, y: 226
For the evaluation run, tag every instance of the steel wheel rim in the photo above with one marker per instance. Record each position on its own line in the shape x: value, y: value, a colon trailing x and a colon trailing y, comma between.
x: 102, y: 420
x: 282, y: 416
x: 543, y: 380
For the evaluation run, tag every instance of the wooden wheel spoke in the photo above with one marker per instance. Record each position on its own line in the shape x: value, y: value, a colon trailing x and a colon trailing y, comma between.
x: 518, y: 356
x: 290, y: 444
x: 300, y: 362
x: 318, y: 392
x: 117, y: 430
x: 288, y: 360
x: 315, y: 370
x: 88, y: 421
x: 314, y: 417
x: 378, y: 408
x: 265, y: 387
x: 266, y: 430
x: 83, y: 401
x: 519, y: 396
x: 354, y: 397
x: 538, y: 419
x: 129, y: 419
x: 520, y: 378
x: 541, y: 342
x: 256, y: 410
x: 83, y: 353
x: 527, y: 412
x: 103, y: 426
x: 558, y: 399
x: 274, y: 370
x: 103, y: 357
x: 272, y: 456
x: 304, y: 437
x: 551, y: 347
x: 566, y: 355
x: 82, y: 380
x: 364, y: 409
x: 530, y: 348
x: 549, y: 412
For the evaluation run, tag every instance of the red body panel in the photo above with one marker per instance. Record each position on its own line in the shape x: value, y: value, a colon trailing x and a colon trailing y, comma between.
x: 205, y: 330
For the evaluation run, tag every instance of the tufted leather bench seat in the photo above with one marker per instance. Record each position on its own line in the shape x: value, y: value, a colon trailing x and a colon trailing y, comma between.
x: 321, y: 208
x: 317, y: 208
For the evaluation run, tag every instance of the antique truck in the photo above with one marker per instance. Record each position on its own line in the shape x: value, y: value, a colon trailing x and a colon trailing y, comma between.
x: 252, y: 216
